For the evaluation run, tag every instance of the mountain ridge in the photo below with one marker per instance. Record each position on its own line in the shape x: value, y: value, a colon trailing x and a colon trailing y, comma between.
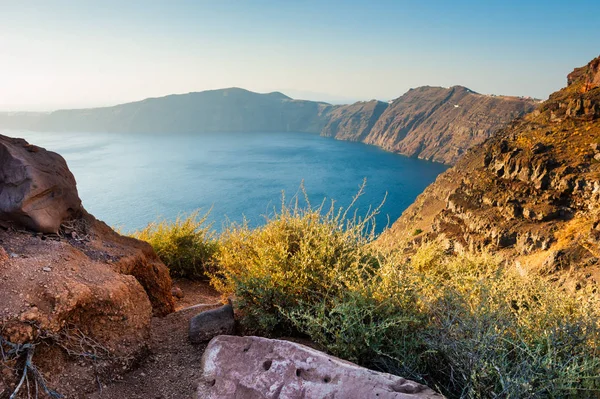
x: 411, y: 125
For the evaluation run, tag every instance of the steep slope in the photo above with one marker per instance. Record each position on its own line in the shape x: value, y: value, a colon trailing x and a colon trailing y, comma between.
x: 225, y: 110
x: 532, y: 191
x: 353, y: 122
x: 440, y: 124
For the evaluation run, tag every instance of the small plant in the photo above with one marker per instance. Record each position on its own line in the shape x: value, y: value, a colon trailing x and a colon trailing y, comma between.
x: 187, y: 245
x: 417, y: 232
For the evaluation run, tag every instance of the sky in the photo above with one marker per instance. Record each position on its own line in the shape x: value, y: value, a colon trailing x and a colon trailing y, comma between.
x: 72, y: 54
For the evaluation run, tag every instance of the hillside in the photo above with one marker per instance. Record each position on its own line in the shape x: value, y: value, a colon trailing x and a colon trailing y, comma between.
x: 432, y: 123
x: 225, y: 110
x: 532, y: 191
x: 353, y: 122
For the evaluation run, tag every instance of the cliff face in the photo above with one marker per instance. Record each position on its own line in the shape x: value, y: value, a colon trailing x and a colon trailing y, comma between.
x: 430, y: 123
x: 353, y: 122
x: 532, y: 191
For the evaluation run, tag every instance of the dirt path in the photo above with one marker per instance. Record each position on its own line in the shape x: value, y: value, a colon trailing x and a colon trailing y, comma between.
x: 172, y: 369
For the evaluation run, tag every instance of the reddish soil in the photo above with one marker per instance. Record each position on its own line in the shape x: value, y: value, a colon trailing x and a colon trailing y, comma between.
x: 172, y: 369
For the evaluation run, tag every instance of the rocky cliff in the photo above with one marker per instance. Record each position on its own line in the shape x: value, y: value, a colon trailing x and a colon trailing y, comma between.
x: 532, y: 191
x: 353, y: 122
x: 432, y: 123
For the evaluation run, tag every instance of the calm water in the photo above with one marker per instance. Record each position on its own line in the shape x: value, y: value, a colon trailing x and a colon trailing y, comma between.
x: 128, y: 180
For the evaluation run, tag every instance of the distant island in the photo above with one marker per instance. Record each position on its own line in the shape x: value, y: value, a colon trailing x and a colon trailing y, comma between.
x: 432, y: 123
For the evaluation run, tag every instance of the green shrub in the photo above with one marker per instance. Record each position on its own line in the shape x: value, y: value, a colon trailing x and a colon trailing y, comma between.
x: 187, y: 245
x: 468, y: 325
x: 301, y: 255
x: 495, y: 333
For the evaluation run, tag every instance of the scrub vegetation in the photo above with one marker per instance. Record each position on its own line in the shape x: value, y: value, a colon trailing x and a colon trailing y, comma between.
x: 469, y: 325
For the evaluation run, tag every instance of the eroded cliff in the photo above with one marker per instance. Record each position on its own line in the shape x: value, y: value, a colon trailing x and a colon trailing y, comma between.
x: 532, y: 191
x: 433, y: 123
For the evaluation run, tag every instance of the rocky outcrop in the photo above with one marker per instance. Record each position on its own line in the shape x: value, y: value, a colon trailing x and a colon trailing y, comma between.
x: 210, y: 323
x: 588, y: 76
x: 353, y: 122
x: 261, y: 368
x: 82, y: 295
x: 532, y: 191
x: 37, y: 190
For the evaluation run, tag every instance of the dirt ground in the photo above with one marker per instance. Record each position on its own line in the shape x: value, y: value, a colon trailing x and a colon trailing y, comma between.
x: 172, y: 369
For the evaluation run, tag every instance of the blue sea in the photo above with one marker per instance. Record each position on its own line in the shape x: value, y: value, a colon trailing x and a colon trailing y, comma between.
x: 130, y: 180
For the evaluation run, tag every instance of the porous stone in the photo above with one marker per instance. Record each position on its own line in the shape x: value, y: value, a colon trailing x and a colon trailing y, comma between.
x: 261, y: 368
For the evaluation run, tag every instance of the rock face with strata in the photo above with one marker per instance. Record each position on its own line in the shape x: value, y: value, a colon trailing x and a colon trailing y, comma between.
x: 261, y: 368
x: 353, y: 122
x: 37, y: 190
x: 82, y: 292
x: 531, y: 192
x: 440, y: 124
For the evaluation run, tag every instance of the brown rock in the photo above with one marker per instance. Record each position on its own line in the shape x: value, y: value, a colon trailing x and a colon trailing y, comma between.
x: 588, y: 75
x: 37, y: 190
x: 261, y: 368
x: 209, y: 324
x: 91, y: 292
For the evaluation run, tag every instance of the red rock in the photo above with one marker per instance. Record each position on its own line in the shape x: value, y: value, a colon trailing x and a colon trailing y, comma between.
x: 37, y: 190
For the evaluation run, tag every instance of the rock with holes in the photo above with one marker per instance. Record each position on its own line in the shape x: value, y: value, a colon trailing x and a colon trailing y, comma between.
x: 37, y: 190
x: 261, y: 368
x: 206, y: 325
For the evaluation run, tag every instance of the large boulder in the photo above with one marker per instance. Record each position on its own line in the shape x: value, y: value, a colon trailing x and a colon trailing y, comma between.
x: 261, y: 368
x: 37, y: 190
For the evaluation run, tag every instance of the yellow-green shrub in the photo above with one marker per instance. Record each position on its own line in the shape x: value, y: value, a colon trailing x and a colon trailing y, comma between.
x: 468, y: 325
x: 187, y: 245
x: 299, y: 256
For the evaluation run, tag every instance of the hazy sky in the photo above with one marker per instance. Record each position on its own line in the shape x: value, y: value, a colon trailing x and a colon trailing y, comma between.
x: 56, y: 54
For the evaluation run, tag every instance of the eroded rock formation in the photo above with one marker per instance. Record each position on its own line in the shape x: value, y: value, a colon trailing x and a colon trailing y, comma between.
x: 532, y: 191
x: 37, y: 190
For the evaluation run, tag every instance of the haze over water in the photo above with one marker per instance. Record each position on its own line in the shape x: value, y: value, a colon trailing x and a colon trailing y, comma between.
x: 129, y: 180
